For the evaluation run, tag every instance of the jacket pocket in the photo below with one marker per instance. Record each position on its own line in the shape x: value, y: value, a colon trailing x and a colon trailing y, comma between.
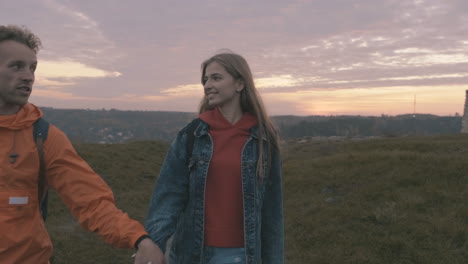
x: 17, y: 200
x: 21, y: 224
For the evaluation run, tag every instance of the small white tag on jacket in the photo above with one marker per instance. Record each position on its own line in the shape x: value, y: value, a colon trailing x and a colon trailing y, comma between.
x: 19, y: 200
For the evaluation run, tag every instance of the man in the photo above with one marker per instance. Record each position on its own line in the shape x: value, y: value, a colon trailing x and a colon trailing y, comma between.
x: 23, y: 237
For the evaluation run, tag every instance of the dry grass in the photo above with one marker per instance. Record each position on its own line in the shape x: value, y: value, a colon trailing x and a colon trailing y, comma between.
x: 396, y: 200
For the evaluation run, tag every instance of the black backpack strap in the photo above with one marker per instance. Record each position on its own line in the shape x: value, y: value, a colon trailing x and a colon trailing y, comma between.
x: 40, y: 132
x: 190, y: 130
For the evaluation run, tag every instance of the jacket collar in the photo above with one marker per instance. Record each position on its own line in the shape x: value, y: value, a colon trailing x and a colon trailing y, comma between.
x: 203, y: 127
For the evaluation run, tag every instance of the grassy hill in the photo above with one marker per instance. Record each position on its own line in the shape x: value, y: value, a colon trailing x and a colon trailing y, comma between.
x: 394, y: 200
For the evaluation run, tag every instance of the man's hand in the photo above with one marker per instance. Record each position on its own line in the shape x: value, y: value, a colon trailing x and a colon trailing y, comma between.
x: 149, y: 253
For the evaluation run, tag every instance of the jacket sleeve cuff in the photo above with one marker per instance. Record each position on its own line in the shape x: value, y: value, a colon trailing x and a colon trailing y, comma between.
x: 140, y: 239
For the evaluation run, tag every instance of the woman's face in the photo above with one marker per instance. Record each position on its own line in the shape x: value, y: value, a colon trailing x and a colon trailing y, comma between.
x: 221, y: 89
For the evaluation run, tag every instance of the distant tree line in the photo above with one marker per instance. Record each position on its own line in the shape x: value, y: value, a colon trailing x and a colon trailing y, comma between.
x: 359, y: 126
x: 116, y: 126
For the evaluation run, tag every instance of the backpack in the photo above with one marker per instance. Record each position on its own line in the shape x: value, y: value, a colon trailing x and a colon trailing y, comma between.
x: 40, y: 132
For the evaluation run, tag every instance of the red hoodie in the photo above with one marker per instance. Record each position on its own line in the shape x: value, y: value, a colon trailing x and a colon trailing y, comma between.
x: 224, y: 214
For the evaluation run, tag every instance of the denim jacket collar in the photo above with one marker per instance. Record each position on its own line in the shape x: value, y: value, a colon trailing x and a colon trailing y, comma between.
x: 203, y: 129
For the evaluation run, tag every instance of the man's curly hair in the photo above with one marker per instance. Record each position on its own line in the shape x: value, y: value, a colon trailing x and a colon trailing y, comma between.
x: 20, y: 34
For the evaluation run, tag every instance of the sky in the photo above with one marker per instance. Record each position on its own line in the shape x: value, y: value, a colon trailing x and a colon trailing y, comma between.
x: 333, y: 57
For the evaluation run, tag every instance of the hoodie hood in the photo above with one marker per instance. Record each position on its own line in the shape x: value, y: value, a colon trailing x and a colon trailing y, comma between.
x: 216, y: 121
x: 26, y: 116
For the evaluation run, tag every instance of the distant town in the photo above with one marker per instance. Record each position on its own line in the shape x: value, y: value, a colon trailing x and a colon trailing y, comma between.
x: 116, y: 126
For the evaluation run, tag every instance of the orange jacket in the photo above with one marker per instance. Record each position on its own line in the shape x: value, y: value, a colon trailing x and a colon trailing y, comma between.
x: 23, y: 237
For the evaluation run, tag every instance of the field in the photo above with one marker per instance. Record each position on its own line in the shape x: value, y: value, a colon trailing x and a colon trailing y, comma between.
x: 391, y: 200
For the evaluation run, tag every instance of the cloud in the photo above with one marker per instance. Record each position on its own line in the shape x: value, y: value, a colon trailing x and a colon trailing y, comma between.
x: 52, y: 84
x: 139, y: 98
x: 71, y: 69
x: 56, y: 94
x: 78, y: 37
x: 286, y: 80
x: 425, y: 77
x: 280, y: 81
x: 413, y: 50
x: 53, y: 75
x: 434, y: 59
x: 79, y: 17
x: 61, y: 95
x: 184, y: 90
x: 395, y: 50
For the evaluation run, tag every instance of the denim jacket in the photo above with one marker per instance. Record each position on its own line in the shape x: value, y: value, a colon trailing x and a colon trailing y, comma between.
x: 177, y: 204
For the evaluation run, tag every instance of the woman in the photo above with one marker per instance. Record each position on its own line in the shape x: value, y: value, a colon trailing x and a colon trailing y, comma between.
x: 219, y: 190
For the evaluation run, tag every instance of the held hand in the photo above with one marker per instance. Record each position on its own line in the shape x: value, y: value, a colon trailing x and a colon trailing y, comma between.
x: 149, y: 253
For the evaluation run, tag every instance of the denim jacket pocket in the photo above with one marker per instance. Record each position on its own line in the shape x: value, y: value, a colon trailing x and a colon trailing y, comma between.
x: 197, y: 167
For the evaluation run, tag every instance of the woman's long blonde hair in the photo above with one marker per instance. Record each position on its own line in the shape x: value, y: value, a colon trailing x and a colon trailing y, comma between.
x: 250, y: 101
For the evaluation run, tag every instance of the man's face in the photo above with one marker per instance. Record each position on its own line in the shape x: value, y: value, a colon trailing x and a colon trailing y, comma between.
x: 17, y: 66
